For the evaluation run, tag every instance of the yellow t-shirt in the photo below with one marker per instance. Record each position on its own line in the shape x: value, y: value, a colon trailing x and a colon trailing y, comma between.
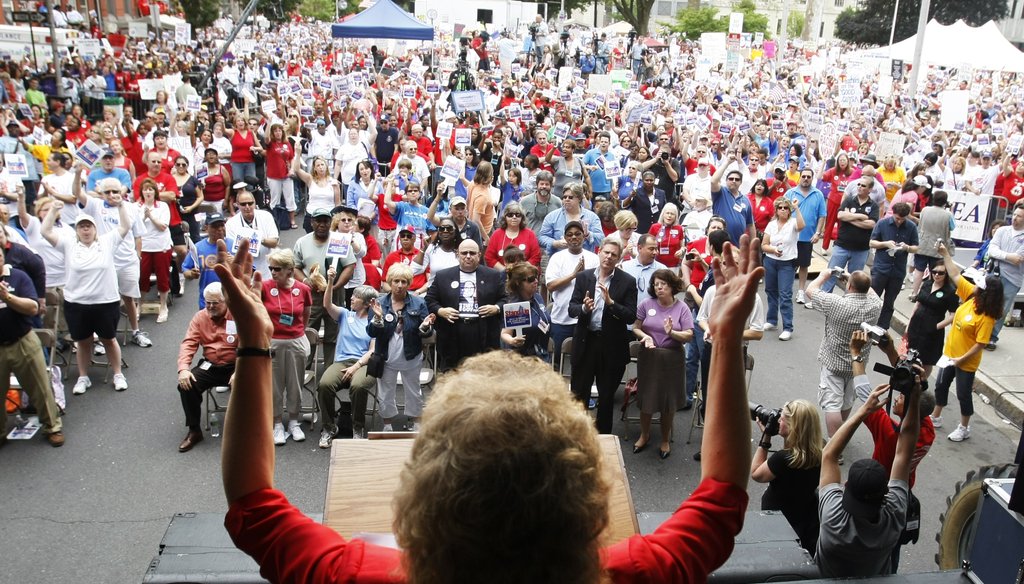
x: 968, y: 328
x: 894, y: 180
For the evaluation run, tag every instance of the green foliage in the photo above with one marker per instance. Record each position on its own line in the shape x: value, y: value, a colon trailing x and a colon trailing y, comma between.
x: 318, y: 9
x: 277, y: 10
x: 635, y: 12
x: 694, y: 21
x: 753, y: 21
x: 200, y: 13
x: 796, y: 25
x: 861, y: 26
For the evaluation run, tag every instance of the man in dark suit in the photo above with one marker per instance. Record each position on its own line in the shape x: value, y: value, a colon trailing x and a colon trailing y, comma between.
x: 467, y: 300
x: 604, y: 303
x: 646, y: 202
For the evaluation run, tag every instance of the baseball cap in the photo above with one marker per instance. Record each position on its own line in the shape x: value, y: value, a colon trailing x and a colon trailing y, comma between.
x: 215, y: 218
x: 321, y: 212
x: 866, y: 487
x: 458, y: 201
x: 921, y: 181
x: 321, y: 122
x: 780, y: 166
x: 108, y: 153
x: 82, y: 217
x: 240, y: 185
x: 407, y: 228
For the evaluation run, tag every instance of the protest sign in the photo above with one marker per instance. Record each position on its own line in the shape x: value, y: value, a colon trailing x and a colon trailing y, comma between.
x: 517, y: 316
x: 444, y: 130
x: 90, y: 48
x: 565, y: 77
x: 463, y: 137
x: 468, y: 101
x: 1013, y: 146
x: 954, y: 108
x: 89, y: 153
x: 849, y: 93
x: 828, y: 139
x: 599, y: 84
x: 138, y: 29
x: 453, y: 168
x: 193, y: 103
x: 736, y: 23
x: 433, y: 87
x: 267, y: 106
x: 612, y: 168
x: 970, y: 212
x: 712, y: 45
x: 339, y: 245
x: 16, y: 166
x: 149, y: 87
x: 561, y: 130
x: 889, y: 144
x: 183, y: 34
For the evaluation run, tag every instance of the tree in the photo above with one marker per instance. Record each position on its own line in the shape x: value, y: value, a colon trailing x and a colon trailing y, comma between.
x: 795, y: 26
x: 861, y: 26
x: 636, y: 12
x: 324, y: 9
x: 200, y: 13
x: 805, y: 32
x: 277, y: 10
x: 753, y: 21
x: 694, y: 22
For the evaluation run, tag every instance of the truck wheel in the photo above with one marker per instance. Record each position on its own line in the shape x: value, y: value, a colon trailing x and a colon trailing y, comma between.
x: 956, y: 525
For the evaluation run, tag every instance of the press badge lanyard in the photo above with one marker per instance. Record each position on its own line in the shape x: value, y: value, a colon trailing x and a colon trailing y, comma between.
x: 285, y: 319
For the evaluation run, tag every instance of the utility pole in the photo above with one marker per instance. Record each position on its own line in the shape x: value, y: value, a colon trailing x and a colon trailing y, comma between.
x: 53, y: 49
x: 922, y: 24
x: 784, y: 37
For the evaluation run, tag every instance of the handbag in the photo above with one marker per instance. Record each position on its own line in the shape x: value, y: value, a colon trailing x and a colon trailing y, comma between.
x: 375, y: 366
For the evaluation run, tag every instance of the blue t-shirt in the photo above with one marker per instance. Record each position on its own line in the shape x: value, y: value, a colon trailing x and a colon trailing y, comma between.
x: 207, y: 256
x: 812, y: 208
x: 599, y: 182
x: 407, y: 214
x: 99, y: 174
x: 735, y: 210
x: 353, y: 340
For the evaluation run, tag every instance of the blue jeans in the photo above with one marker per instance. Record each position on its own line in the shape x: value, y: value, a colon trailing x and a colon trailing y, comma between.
x: 778, y: 285
x: 240, y: 170
x: 693, y: 352
x: 1009, y: 295
x: 844, y: 258
x: 560, y: 332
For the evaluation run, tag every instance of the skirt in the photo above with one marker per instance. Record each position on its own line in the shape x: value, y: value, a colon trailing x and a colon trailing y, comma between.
x: 661, y: 379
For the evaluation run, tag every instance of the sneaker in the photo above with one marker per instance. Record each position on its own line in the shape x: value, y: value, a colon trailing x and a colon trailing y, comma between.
x: 325, y: 438
x: 786, y: 335
x: 960, y: 434
x: 120, y: 383
x: 808, y: 305
x: 359, y: 433
x: 162, y: 316
x: 387, y: 428
x: 991, y: 346
x: 98, y: 348
x: 936, y: 422
x: 296, y: 432
x: 81, y: 385
x: 770, y: 326
x: 141, y: 339
x: 279, y: 436
x: 800, y: 297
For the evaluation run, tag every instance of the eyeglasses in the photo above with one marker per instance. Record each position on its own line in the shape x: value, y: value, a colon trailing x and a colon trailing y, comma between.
x: 345, y: 220
x: 246, y: 204
x: 446, y: 228
x: 806, y: 177
x: 734, y: 179
x: 275, y: 268
x: 514, y: 214
x: 180, y: 164
x: 531, y: 279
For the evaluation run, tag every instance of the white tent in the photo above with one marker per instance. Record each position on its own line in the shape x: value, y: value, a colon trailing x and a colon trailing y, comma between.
x: 983, y: 48
x: 617, y: 28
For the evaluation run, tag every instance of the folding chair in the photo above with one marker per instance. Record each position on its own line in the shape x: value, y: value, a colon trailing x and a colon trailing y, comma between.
x: 311, y: 381
x: 697, y: 421
x: 215, y: 404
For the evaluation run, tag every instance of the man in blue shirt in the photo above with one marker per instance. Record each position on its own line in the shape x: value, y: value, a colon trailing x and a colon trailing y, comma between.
x: 729, y: 203
x: 812, y: 207
x: 107, y: 169
x: 200, y: 264
x: 593, y: 162
x: 894, y: 238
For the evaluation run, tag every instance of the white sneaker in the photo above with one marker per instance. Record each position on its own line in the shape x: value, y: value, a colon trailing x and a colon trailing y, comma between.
x: 786, y: 335
x: 936, y: 422
x: 98, y: 348
x: 81, y: 385
x: 768, y: 326
x: 141, y: 339
x: 162, y: 316
x: 296, y: 432
x: 325, y: 438
x: 120, y: 383
x: 387, y: 428
x: 800, y: 298
x: 808, y: 305
x: 960, y: 434
x: 279, y: 436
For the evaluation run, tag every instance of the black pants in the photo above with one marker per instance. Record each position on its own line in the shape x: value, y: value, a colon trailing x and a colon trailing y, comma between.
x: 597, y: 364
x: 192, y: 399
x: 888, y: 287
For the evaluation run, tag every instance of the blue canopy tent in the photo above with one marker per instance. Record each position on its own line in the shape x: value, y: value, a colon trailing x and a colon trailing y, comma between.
x: 383, y: 20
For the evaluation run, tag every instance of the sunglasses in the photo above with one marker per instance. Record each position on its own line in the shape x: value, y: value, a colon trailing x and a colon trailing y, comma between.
x: 520, y: 215
x: 807, y: 177
x: 248, y: 204
x: 180, y: 164
x: 446, y: 228
x: 734, y: 179
x: 938, y: 273
x: 406, y: 236
x: 275, y: 268
x: 531, y: 279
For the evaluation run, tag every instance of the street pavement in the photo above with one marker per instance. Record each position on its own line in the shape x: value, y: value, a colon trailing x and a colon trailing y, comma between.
x: 96, y: 509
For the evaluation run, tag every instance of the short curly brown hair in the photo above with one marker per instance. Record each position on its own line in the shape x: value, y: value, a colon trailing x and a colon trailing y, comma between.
x: 505, y: 482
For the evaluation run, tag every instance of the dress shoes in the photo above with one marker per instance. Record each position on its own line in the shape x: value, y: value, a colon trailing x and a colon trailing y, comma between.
x: 194, y: 437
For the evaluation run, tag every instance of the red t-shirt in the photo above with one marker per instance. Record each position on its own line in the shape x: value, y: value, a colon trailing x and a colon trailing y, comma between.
x: 418, y: 280
x: 691, y: 166
x: 240, y: 147
x: 1013, y: 188
x: 762, y: 211
x: 384, y: 219
x: 287, y: 307
x: 697, y: 271
x: 525, y: 241
x: 669, y: 242
x: 886, y: 433
x: 279, y: 158
x: 777, y: 188
x: 692, y: 542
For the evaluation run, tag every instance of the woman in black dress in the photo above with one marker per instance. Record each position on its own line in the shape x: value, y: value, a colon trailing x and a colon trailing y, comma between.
x: 793, y: 473
x: 936, y: 304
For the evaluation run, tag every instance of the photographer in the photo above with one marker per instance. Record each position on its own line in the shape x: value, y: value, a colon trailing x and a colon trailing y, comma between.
x: 885, y: 431
x: 843, y: 315
x: 862, y: 520
x: 539, y: 37
x: 792, y: 473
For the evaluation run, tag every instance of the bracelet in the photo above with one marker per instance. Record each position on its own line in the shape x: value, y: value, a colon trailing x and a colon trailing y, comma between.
x: 253, y: 352
x: 765, y: 445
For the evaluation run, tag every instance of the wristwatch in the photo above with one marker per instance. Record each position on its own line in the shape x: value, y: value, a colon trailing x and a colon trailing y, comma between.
x: 859, y: 358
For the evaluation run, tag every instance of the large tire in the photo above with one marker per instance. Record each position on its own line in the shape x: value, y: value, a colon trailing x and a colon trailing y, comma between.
x: 956, y: 525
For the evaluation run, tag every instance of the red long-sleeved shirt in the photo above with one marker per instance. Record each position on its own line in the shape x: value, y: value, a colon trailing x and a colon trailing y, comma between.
x: 213, y: 336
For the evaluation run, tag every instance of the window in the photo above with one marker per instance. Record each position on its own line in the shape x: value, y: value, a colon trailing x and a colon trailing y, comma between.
x: 484, y: 16
x: 664, y: 8
x: 839, y: 3
x: 821, y: 29
x: 778, y: 27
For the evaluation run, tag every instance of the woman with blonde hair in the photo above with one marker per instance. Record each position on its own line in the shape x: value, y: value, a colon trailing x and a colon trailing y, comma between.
x: 625, y: 234
x: 792, y: 473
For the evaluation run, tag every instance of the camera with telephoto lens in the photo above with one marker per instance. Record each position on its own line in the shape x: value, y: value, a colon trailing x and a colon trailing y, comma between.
x: 903, y: 375
x: 768, y: 418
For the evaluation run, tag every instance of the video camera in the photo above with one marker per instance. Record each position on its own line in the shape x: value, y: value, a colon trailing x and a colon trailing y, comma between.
x: 768, y: 418
x: 533, y: 29
x: 902, y: 375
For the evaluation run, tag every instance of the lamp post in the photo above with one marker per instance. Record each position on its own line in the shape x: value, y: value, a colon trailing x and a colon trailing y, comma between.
x: 432, y: 15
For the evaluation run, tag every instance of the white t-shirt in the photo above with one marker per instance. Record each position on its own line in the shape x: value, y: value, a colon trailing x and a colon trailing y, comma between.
x: 63, y: 184
x: 784, y: 239
x: 755, y: 321
x: 561, y: 265
x: 9, y: 184
x: 91, y: 275
x: 154, y: 239
x: 109, y: 219
x: 264, y: 227
x: 53, y: 258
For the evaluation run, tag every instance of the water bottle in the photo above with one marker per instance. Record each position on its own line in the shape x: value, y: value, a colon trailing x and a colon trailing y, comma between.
x: 215, y: 425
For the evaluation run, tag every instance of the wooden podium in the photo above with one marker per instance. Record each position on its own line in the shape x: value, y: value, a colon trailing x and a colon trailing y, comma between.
x: 363, y: 477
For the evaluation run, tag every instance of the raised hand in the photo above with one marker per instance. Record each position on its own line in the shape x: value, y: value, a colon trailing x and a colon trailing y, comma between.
x: 736, y: 284
x: 588, y: 303
x: 242, y: 289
